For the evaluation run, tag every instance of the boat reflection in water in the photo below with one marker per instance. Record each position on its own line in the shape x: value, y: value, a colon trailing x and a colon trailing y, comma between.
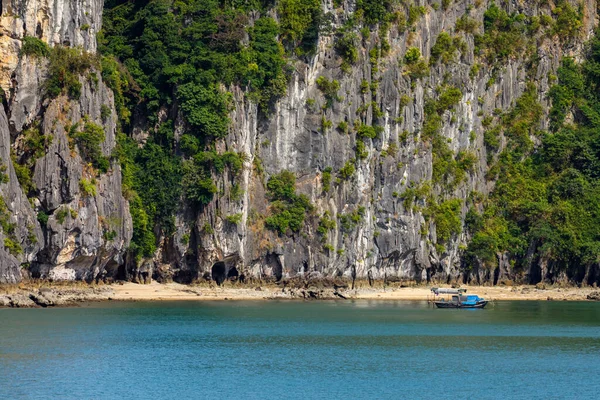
x: 459, y: 299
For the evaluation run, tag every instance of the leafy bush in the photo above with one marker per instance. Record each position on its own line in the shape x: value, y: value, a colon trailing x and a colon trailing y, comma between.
x: 347, y: 170
x: 466, y: 24
x: 569, y: 21
x: 124, y: 88
x: 212, y: 160
x: 329, y: 89
x: 64, y: 71
x: 522, y: 121
x: 88, y: 187
x: 234, y: 219
x: 444, y: 164
x: 449, y: 97
x: 368, y: 132
x: 288, y: 209
x: 326, y: 179
x: 447, y: 219
x: 445, y: 48
x: 197, y: 184
x: 205, y: 109
x: 375, y: 11
x: 412, y: 55
x: 300, y: 20
x: 326, y: 224
x: 361, y: 150
x: 504, y: 35
x: 105, y: 111
x: 414, y: 194
x: 32, y: 46
x: 343, y: 127
x: 42, y: 217
x: 13, y: 246
x: 346, y: 45
x: 414, y: 13
x: 563, y: 94
x: 89, y: 141
x: 349, y: 221
x: 416, y: 66
x: 11, y: 242
x: 61, y: 214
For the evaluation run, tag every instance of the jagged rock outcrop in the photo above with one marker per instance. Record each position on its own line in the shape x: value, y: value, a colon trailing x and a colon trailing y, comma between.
x: 19, y: 224
x: 77, y: 234
x: 391, y: 239
x: 69, y: 23
x: 96, y: 231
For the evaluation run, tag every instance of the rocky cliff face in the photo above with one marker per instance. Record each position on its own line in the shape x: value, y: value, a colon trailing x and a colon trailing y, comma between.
x: 384, y: 235
x: 66, y: 230
x: 390, y: 240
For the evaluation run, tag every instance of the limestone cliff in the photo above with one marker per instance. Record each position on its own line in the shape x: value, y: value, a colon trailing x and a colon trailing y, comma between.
x: 391, y: 240
x: 63, y: 231
x: 385, y: 236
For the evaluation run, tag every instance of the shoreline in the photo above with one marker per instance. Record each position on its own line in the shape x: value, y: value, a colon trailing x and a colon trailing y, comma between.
x: 46, y: 294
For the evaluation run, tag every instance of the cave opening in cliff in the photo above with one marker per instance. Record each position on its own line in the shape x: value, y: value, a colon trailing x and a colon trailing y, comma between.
x: 535, y: 275
x: 593, y: 276
x: 496, y: 275
x: 233, y: 273
x: 273, y: 262
x: 219, y: 272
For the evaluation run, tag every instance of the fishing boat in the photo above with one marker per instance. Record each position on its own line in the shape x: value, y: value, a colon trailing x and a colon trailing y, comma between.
x: 459, y: 299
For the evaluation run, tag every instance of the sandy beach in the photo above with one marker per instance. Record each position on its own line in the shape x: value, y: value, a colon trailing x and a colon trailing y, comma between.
x: 175, y: 291
x: 43, y: 294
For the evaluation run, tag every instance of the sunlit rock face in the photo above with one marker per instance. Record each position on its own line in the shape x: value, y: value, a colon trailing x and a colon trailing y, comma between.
x: 83, y: 235
x: 391, y: 239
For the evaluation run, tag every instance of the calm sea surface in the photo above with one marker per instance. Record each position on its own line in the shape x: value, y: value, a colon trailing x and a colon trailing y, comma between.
x: 279, y: 350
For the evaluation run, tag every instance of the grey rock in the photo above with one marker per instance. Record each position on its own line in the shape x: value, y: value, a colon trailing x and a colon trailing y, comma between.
x: 594, y: 296
x: 390, y: 242
x: 97, y: 230
x: 20, y: 300
x: 27, y: 233
x: 41, y: 300
x: 65, y: 22
x: 91, y: 241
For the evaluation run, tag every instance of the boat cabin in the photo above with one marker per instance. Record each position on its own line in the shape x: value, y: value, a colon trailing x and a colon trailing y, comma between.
x: 471, y: 299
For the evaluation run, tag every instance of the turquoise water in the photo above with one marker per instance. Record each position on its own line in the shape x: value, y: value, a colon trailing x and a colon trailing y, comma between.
x: 256, y: 350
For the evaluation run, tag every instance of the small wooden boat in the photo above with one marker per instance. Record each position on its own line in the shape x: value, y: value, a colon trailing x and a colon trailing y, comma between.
x: 459, y: 299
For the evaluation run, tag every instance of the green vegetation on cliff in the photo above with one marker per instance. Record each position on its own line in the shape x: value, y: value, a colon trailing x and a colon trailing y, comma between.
x: 546, y: 203
x: 177, y: 64
x: 288, y: 209
x: 188, y: 54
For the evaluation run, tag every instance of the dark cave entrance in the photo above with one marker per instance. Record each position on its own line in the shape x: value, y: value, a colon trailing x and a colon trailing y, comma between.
x: 219, y: 272
x: 225, y: 269
x: 273, y: 262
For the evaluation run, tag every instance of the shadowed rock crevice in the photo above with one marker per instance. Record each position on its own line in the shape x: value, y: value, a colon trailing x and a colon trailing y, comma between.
x: 273, y: 264
x: 225, y: 269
